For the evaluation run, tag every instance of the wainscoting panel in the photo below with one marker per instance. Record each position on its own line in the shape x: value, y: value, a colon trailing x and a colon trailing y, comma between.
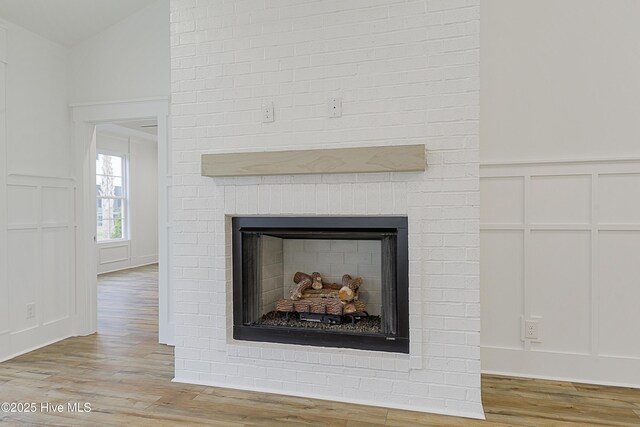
x: 56, y: 202
x: 619, y: 297
x: 502, y: 200
x: 501, y: 252
x: 56, y: 274
x: 559, y: 290
x: 40, y: 263
x: 23, y: 277
x: 619, y: 199
x: 560, y: 245
x: 22, y: 206
x: 113, y: 256
x: 114, y: 252
x: 560, y: 199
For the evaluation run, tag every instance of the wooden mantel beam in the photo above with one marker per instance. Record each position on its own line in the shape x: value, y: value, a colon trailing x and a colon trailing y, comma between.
x: 394, y: 158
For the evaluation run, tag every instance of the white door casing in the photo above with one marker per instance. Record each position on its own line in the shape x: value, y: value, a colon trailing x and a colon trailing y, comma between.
x: 84, y: 119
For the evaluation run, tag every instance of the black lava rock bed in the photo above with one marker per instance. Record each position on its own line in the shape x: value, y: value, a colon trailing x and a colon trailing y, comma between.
x: 369, y: 325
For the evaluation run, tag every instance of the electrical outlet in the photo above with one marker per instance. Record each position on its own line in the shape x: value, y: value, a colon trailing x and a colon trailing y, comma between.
x: 335, y: 107
x: 531, y: 329
x: 267, y: 112
x: 31, y: 311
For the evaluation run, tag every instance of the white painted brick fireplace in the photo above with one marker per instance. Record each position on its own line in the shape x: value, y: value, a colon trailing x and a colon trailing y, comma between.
x: 407, y: 73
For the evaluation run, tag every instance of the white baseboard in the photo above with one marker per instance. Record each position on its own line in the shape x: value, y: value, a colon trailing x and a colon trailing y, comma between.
x: 129, y: 265
x: 431, y: 410
x: 586, y: 369
x: 139, y: 261
x: 4, y: 358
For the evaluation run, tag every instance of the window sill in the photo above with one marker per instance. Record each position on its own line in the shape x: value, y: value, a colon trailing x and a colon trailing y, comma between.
x: 114, y: 242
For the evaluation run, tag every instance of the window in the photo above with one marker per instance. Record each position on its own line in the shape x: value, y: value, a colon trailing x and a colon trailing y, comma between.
x: 111, y: 197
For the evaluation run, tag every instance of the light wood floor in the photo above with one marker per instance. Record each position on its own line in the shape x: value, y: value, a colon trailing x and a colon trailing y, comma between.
x: 125, y: 376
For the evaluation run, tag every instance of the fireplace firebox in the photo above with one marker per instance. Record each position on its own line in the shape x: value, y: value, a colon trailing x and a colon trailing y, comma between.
x: 322, y: 281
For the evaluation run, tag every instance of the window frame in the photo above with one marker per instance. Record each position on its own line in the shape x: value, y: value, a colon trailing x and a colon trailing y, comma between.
x: 124, y: 198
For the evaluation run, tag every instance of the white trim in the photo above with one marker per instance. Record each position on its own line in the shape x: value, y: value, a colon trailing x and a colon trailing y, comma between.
x: 561, y: 378
x: 594, y: 344
x: 4, y: 233
x: 129, y: 267
x: 429, y: 409
x: 148, y: 260
x: 560, y: 366
x: 120, y: 101
x: 30, y: 349
x: 3, y: 49
x: 498, y: 164
x: 116, y: 260
x: 618, y: 227
x: 602, y: 167
x: 114, y: 242
x: 85, y: 117
x: 24, y: 179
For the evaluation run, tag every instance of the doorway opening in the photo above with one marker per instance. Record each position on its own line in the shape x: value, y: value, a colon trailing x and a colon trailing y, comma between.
x: 126, y: 183
x: 122, y: 200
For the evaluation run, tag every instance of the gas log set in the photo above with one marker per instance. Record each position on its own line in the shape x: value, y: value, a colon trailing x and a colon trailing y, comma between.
x: 316, y: 301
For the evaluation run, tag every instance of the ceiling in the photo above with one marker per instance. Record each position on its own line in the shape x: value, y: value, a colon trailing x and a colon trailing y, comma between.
x: 68, y: 22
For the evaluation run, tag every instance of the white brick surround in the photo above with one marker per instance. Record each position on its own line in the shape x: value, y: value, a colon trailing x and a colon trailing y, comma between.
x: 407, y: 72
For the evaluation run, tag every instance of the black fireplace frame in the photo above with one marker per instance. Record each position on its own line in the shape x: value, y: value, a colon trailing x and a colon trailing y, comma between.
x: 394, y: 339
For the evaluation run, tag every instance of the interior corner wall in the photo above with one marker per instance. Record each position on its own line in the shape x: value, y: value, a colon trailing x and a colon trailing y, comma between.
x: 560, y: 169
x: 141, y: 246
x: 37, y: 194
x: 129, y: 60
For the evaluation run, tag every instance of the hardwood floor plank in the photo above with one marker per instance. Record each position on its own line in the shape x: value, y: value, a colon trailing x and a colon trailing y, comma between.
x: 126, y: 376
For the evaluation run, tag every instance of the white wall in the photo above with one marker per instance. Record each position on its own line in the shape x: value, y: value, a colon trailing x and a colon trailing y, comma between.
x: 407, y: 72
x: 560, y: 236
x: 37, y: 170
x: 38, y: 198
x: 560, y: 79
x: 127, y: 61
x: 144, y: 201
x: 38, y: 138
x: 141, y: 245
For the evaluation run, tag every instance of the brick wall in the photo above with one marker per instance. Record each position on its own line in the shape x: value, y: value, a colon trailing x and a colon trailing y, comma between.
x: 272, y: 276
x: 407, y: 72
x: 333, y: 259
